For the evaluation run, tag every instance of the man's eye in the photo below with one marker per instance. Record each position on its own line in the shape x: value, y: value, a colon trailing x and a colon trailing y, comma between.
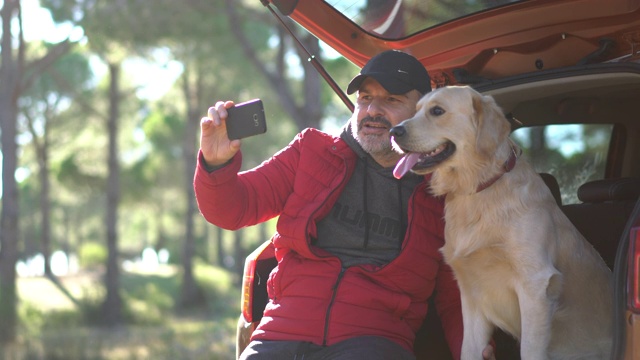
x: 436, y: 111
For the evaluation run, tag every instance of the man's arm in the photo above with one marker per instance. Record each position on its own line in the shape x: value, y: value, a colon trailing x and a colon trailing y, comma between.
x: 449, y: 309
x: 232, y: 200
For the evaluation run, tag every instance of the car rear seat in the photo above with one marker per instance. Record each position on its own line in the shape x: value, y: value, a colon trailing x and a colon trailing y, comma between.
x: 604, y: 211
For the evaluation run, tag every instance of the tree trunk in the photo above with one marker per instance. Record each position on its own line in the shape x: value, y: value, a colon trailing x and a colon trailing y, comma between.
x: 45, y: 203
x: 219, y: 246
x: 538, y: 145
x: 191, y: 293
x: 10, y: 73
x: 112, y: 307
x: 311, y: 111
x: 42, y: 154
x: 238, y: 256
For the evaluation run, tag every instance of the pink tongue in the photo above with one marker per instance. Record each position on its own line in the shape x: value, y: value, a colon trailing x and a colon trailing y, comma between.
x: 405, y: 164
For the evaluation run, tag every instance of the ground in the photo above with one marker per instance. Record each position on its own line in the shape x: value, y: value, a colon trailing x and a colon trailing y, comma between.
x: 52, y: 327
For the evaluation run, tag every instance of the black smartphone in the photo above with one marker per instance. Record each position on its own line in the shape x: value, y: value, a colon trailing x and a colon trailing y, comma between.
x: 246, y: 119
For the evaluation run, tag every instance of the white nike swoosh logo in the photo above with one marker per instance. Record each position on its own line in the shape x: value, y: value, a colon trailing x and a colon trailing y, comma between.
x: 402, y: 71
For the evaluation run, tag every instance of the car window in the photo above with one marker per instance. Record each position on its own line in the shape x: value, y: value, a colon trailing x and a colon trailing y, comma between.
x: 401, y: 18
x: 573, y: 154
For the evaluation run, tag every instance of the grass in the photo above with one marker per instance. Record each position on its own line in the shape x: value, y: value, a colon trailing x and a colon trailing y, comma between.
x: 52, y: 327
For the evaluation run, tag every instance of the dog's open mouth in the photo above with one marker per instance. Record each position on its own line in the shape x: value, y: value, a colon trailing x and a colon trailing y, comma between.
x: 420, y: 161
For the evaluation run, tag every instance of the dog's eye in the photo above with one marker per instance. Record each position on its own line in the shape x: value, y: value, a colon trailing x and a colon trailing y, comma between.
x: 436, y: 111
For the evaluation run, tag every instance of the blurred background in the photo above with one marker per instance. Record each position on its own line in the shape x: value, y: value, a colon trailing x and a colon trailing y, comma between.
x: 103, y: 253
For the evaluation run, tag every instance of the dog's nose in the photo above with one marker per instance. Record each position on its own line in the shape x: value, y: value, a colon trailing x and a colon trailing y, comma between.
x: 397, y: 131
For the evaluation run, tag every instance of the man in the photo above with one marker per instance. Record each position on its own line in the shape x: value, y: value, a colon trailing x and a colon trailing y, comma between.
x: 357, y: 249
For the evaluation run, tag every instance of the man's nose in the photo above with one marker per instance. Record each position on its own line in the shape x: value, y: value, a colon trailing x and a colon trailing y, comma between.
x: 374, y: 109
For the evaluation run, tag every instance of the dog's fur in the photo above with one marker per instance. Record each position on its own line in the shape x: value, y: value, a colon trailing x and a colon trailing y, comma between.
x: 520, y: 263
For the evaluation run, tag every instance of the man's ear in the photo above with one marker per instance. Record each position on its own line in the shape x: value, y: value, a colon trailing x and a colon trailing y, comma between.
x: 492, y: 126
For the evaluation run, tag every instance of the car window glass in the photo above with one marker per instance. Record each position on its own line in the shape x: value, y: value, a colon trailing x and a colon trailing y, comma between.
x: 401, y: 18
x: 573, y: 154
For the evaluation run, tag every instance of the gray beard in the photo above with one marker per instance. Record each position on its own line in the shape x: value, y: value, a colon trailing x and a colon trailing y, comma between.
x: 377, y: 148
x: 374, y: 145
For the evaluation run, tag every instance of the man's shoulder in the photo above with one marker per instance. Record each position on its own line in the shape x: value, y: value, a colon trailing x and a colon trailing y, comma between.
x: 315, y: 137
x: 316, y: 133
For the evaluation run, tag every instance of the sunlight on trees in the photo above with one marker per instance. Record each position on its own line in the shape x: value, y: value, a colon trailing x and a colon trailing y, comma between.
x: 176, y: 60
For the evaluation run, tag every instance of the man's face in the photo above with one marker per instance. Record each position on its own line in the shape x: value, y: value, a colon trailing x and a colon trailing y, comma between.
x: 376, y: 112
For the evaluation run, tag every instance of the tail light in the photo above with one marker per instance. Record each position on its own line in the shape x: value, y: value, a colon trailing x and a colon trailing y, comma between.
x: 634, y: 269
x: 248, y: 279
x: 247, y: 288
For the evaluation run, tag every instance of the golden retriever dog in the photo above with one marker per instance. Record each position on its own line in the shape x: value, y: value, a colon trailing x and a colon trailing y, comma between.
x: 520, y: 264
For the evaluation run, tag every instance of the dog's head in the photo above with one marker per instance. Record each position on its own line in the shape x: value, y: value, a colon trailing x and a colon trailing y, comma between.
x: 453, y: 127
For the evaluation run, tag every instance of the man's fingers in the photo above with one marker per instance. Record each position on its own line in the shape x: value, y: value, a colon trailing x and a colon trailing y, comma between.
x: 218, y: 112
x: 235, y: 145
x: 214, y: 114
x: 205, y: 122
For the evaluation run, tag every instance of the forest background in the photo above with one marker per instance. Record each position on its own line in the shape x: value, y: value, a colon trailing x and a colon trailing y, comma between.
x: 103, y: 253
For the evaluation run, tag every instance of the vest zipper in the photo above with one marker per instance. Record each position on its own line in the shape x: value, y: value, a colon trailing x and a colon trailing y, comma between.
x: 333, y: 298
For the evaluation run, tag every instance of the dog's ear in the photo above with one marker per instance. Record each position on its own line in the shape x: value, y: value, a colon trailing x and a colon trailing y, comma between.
x: 492, y: 126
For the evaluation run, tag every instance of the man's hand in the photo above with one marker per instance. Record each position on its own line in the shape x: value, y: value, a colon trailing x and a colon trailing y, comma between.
x: 488, y: 353
x: 216, y: 147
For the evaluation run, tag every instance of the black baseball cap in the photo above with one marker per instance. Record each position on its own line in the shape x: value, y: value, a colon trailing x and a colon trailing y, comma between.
x: 397, y: 71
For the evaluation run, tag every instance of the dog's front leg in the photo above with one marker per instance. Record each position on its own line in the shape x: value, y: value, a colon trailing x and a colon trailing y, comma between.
x: 538, y: 300
x: 477, y: 330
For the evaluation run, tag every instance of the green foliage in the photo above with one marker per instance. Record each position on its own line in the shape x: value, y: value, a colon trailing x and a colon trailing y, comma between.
x: 218, y: 284
x: 154, y: 330
x: 70, y: 174
x: 92, y: 255
x: 62, y: 319
x: 90, y: 309
x: 137, y: 180
x: 32, y: 319
x: 148, y: 297
x: 164, y: 130
x: 64, y: 78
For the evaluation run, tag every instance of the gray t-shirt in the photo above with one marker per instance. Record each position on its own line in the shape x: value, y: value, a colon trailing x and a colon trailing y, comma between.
x: 372, y: 195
